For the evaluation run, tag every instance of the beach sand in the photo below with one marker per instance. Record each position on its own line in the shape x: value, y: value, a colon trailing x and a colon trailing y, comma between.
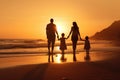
x: 107, y: 69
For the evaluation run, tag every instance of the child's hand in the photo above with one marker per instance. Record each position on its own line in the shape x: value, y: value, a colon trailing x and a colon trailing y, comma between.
x: 58, y: 36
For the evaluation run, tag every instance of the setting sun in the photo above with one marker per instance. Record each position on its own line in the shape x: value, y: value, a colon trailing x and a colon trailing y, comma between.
x: 59, y: 39
x: 62, y: 27
x: 28, y: 18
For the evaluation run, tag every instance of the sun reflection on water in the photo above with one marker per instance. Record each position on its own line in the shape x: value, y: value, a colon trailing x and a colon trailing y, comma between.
x: 58, y: 57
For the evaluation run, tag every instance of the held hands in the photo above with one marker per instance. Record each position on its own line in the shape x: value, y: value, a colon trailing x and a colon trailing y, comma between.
x: 81, y: 39
x: 58, y: 36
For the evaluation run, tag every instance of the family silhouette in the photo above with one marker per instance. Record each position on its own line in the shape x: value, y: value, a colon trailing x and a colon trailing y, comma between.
x: 51, y: 32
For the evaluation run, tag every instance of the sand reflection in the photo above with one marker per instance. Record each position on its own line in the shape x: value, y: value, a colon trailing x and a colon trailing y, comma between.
x: 82, y: 57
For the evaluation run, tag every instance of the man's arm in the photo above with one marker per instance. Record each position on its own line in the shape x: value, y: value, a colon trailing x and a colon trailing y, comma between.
x: 56, y: 31
x: 47, y: 31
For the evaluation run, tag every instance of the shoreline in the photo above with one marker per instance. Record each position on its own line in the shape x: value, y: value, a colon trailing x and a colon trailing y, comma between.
x: 101, y: 70
x: 17, y: 60
x: 102, y: 66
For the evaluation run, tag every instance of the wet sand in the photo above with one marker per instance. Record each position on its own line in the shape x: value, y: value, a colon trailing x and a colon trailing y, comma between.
x: 98, y: 68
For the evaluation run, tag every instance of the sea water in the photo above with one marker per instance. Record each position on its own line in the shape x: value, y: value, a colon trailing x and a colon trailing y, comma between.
x: 18, y: 47
x: 14, y: 52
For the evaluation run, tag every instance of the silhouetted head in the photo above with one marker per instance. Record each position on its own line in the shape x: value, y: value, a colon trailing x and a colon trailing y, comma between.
x: 86, y: 37
x: 75, y: 25
x: 62, y: 34
x: 51, y: 20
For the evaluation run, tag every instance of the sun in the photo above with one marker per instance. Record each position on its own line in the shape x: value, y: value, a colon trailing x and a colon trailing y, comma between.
x: 61, y: 28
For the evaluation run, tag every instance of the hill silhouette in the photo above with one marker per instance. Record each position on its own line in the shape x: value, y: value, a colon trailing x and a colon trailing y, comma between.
x: 110, y: 33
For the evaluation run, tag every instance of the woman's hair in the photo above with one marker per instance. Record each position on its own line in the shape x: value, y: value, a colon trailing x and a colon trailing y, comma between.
x: 75, y: 25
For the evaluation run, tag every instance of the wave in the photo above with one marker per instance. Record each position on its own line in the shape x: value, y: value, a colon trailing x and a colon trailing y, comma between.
x: 22, y: 43
x: 29, y: 43
x: 21, y: 48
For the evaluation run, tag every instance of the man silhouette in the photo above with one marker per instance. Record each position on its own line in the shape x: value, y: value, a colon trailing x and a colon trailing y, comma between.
x: 51, y: 32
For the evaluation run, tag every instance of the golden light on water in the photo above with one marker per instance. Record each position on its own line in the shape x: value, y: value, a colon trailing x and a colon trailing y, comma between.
x: 58, y: 56
x: 58, y: 48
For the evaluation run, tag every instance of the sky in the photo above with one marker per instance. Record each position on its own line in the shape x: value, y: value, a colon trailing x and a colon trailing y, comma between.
x: 27, y: 19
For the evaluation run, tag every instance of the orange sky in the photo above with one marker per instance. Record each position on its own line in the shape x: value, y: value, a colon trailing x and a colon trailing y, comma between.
x: 28, y: 18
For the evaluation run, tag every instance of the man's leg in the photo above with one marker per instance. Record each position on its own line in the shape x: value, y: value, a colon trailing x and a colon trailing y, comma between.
x: 48, y: 51
x: 53, y: 42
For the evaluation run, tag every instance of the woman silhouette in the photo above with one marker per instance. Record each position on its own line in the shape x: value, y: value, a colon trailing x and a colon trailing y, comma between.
x: 75, y: 33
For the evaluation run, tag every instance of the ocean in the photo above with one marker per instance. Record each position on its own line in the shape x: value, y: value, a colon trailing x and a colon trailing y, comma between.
x: 16, y: 52
x: 20, y: 47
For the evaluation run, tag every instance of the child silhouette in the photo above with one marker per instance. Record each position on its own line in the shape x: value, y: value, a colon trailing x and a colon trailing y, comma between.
x: 62, y: 45
x: 87, y: 47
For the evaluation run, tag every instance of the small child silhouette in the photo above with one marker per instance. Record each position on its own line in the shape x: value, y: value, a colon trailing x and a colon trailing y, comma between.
x: 87, y: 48
x: 87, y: 45
x: 62, y: 45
